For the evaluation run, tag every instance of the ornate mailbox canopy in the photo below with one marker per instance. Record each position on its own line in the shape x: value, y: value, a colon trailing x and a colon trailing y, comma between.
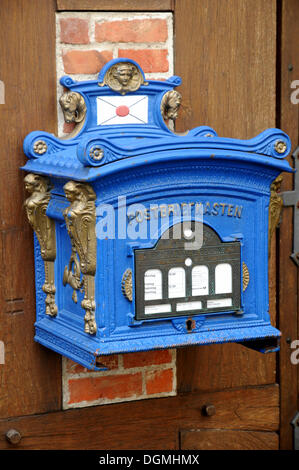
x: 144, y: 238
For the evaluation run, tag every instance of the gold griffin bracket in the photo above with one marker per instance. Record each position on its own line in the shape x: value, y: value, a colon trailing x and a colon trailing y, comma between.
x: 36, y: 205
x: 80, y: 218
x: 275, y: 209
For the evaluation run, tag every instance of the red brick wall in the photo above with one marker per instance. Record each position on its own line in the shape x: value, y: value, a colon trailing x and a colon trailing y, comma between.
x: 85, y: 42
x: 131, y: 376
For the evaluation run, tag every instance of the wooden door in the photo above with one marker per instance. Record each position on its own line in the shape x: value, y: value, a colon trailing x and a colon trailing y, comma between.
x: 236, y: 79
x: 230, y: 84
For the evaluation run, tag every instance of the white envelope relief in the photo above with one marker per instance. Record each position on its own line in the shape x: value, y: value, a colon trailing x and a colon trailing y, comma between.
x: 122, y: 110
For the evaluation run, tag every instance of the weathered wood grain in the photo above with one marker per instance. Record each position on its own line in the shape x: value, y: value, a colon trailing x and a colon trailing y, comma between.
x: 216, y: 439
x: 229, y: 80
x: 30, y: 378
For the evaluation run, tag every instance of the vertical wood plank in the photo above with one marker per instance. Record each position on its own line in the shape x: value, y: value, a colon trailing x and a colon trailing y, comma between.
x: 30, y: 378
x: 288, y: 272
x: 229, y: 75
x: 229, y: 83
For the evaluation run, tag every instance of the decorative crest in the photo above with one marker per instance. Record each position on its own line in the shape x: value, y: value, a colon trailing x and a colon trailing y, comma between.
x: 123, y: 77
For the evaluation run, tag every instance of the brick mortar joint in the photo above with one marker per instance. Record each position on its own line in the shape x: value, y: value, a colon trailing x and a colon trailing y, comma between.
x: 108, y: 401
x: 107, y: 16
x: 104, y: 45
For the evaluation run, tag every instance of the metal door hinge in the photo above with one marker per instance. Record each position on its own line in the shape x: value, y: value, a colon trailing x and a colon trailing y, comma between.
x: 295, y: 423
x: 291, y: 198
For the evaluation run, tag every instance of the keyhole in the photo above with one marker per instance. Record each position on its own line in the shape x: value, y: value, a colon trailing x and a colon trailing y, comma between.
x: 189, y: 324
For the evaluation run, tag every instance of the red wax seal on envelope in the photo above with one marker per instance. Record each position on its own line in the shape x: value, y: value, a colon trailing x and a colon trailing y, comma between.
x: 122, y: 111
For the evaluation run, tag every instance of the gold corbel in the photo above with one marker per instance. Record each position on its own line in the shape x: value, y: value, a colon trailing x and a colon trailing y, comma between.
x: 36, y: 205
x: 80, y: 218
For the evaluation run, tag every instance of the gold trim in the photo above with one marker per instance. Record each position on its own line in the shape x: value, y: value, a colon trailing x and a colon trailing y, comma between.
x: 36, y: 205
x: 123, y: 77
x: 126, y: 284
x: 245, y: 276
x: 80, y: 218
x: 72, y: 276
x: 275, y: 208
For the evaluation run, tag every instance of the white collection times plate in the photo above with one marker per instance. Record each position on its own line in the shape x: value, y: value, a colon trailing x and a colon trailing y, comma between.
x: 122, y: 110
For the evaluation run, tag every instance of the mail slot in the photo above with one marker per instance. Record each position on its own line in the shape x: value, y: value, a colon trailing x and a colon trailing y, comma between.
x: 143, y: 238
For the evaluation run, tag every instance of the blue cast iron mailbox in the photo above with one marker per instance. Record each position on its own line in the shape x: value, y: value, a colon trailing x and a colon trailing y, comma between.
x: 147, y: 239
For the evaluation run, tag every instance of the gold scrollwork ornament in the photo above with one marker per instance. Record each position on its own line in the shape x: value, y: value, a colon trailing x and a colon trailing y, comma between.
x: 80, y: 218
x: 126, y: 284
x: 40, y: 147
x: 36, y: 204
x: 245, y: 276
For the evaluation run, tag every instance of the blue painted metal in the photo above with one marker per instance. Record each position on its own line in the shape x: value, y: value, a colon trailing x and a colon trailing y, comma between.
x: 149, y: 164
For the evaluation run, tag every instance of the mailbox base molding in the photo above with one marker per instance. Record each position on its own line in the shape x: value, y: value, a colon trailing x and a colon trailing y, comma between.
x: 87, y: 350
